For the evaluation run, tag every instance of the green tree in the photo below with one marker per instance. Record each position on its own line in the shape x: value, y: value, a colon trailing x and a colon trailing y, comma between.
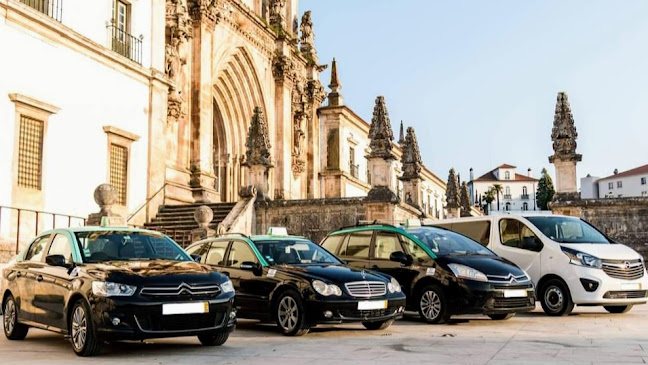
x: 488, y: 198
x: 497, y: 189
x: 545, y: 190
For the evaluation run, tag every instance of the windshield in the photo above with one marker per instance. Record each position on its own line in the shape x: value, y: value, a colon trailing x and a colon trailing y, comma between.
x: 100, y: 246
x: 294, y: 252
x: 568, y: 230
x: 447, y: 243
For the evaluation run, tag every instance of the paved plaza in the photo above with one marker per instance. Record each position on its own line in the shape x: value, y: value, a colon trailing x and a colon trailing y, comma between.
x: 590, y: 336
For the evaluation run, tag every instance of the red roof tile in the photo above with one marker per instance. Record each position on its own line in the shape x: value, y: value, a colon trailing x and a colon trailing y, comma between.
x: 490, y: 176
x: 506, y: 166
x: 636, y: 171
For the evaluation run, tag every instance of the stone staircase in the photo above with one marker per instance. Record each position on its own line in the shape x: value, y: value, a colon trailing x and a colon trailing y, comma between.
x: 177, y: 221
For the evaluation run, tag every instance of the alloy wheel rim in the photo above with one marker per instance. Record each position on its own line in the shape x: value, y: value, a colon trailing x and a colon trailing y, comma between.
x: 288, y: 312
x: 79, y: 328
x: 554, y: 298
x: 430, y: 304
x: 9, y: 316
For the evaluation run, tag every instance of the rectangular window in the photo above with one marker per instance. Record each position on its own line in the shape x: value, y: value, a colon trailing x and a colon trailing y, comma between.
x: 358, y: 245
x: 30, y: 153
x: 643, y: 181
x: 619, y: 184
x: 120, y: 16
x: 386, y: 244
x: 611, y: 185
x: 119, y: 171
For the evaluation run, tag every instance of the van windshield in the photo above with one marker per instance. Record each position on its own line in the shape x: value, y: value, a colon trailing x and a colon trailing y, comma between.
x: 568, y: 230
x: 447, y: 243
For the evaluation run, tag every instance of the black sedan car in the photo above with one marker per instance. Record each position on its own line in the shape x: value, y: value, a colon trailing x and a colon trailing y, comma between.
x: 96, y: 284
x: 442, y: 273
x: 297, y: 284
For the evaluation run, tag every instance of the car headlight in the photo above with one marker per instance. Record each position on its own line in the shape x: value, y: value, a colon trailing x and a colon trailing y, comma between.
x: 227, y: 287
x: 394, y: 286
x: 581, y: 258
x: 467, y: 272
x: 108, y: 289
x: 326, y: 289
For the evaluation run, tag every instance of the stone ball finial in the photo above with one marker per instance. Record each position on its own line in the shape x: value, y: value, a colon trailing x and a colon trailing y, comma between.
x: 203, y: 215
x: 105, y: 195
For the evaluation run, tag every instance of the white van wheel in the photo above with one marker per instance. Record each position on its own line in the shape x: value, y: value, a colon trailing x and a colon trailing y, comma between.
x: 555, y: 298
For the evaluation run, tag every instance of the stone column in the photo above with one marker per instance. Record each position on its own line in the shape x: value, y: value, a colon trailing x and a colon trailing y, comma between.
x: 411, y: 165
x: 565, y: 157
x: 283, y: 70
x: 452, y: 195
x: 257, y: 156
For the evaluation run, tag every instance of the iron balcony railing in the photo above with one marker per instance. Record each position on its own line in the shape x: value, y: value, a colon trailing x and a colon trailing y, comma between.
x: 124, y: 43
x: 525, y: 196
x: 507, y: 196
x: 51, y: 8
x: 354, y: 170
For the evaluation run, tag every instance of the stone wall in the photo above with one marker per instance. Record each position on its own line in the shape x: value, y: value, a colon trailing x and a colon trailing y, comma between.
x: 623, y: 219
x: 312, y: 218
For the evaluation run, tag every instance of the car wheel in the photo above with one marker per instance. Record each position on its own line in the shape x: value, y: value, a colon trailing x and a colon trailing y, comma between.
x: 214, y: 339
x: 12, y: 329
x: 290, y: 314
x: 82, y: 332
x: 380, y: 325
x: 556, y: 299
x: 501, y: 316
x: 432, y: 305
x: 618, y: 308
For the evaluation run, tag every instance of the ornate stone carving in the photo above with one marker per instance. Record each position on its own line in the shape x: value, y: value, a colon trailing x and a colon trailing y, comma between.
x: 380, y: 132
x: 411, y: 157
x: 175, y: 105
x: 249, y: 191
x: 277, y: 13
x: 178, y: 30
x: 307, y: 39
x: 178, y: 22
x: 315, y: 92
x: 283, y: 68
x: 564, y: 132
x: 300, y: 109
x: 257, y: 144
x: 208, y: 11
x: 452, y: 191
x: 465, y: 200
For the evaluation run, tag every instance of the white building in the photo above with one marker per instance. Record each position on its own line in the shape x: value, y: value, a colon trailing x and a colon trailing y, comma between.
x: 626, y: 184
x: 518, y: 191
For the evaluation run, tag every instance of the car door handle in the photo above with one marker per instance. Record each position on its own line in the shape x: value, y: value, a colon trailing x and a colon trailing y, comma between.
x: 39, y: 278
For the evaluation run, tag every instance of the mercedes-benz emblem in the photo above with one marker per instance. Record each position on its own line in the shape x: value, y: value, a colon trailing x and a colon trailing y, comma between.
x: 627, y: 265
x: 364, y: 274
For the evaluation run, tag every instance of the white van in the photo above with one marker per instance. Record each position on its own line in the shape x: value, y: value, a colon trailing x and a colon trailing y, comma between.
x: 569, y: 260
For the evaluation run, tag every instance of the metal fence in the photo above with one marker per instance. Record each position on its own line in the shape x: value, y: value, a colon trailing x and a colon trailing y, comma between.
x: 124, y: 43
x: 51, y: 8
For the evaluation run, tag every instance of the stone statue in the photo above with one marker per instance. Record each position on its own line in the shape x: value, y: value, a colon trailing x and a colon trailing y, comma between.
x: 307, y: 38
x: 172, y: 59
x: 277, y: 10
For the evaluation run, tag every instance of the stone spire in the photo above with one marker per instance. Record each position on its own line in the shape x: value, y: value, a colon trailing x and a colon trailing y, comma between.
x: 257, y: 144
x: 411, y: 157
x: 380, y: 132
x: 401, y: 135
x: 564, y: 132
x: 452, y: 194
x: 465, y: 200
x: 334, y: 97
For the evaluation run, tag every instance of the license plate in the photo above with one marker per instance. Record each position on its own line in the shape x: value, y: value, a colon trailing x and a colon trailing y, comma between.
x: 631, y: 286
x: 185, y: 308
x: 515, y: 293
x: 372, y: 304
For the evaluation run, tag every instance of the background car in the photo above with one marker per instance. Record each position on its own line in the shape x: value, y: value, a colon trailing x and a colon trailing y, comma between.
x: 296, y: 283
x: 441, y: 272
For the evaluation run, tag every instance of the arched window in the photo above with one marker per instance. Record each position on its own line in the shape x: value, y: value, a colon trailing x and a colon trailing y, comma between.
x: 507, y: 175
x: 524, y: 190
x: 525, y: 206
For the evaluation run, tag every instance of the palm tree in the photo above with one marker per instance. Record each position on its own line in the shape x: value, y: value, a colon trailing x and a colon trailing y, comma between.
x: 497, y: 188
x: 488, y: 197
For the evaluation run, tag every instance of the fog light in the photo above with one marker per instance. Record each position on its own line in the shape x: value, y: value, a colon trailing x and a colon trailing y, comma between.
x: 401, y: 309
x: 116, y: 321
x: 233, y: 314
x: 589, y: 285
x: 328, y: 314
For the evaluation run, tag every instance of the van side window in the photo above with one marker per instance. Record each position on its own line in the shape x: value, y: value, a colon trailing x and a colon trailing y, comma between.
x: 514, y: 233
x: 358, y: 245
x: 478, y: 231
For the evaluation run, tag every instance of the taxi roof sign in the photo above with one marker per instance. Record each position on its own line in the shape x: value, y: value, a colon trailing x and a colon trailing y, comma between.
x: 115, y: 221
x: 277, y: 231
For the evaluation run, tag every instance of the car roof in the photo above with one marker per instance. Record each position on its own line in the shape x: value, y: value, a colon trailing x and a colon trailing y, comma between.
x: 369, y: 227
x: 97, y: 229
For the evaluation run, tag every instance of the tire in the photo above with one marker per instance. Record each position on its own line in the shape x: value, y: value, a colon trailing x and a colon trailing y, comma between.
x: 290, y: 314
x: 12, y: 329
x: 380, y: 325
x: 501, y: 316
x: 432, y: 305
x: 555, y: 298
x: 214, y: 339
x: 618, y: 309
x: 83, y: 337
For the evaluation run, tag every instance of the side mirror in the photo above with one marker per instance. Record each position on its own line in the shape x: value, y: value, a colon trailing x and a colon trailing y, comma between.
x: 401, y: 257
x: 250, y: 266
x: 196, y: 257
x: 56, y: 260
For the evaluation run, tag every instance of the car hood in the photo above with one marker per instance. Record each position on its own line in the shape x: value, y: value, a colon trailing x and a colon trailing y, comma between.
x: 489, y: 265
x: 332, y: 273
x: 153, y: 272
x: 613, y: 251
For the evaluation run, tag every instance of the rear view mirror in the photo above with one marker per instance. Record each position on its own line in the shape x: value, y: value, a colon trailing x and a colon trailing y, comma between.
x: 56, y: 260
x: 402, y: 257
x: 250, y: 266
x: 196, y: 258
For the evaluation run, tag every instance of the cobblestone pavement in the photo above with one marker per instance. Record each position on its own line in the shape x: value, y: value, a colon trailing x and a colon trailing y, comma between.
x: 591, y: 336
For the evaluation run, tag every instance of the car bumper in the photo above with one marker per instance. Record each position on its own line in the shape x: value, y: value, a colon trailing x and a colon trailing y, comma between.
x: 472, y: 297
x: 609, y: 290
x: 341, y: 311
x: 120, y: 319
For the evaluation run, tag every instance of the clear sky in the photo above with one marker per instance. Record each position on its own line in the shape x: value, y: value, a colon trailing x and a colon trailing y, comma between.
x: 478, y: 79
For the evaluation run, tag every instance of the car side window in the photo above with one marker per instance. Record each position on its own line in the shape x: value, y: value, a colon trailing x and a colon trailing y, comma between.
x: 358, y: 245
x: 516, y: 234
x: 36, y: 250
x: 197, y: 250
x: 240, y: 253
x: 61, y: 246
x: 386, y: 244
x: 216, y: 253
x: 331, y: 243
x: 414, y: 249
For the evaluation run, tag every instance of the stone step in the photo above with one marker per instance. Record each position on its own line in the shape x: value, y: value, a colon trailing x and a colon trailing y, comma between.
x: 192, y: 207
x: 176, y: 226
x: 184, y: 218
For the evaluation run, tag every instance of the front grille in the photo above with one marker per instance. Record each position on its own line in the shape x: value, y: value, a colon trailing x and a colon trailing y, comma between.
x: 624, y: 269
x: 625, y: 294
x: 366, y: 289
x: 184, y: 291
x: 509, y: 279
x: 499, y: 303
x: 179, y: 322
x: 365, y: 314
